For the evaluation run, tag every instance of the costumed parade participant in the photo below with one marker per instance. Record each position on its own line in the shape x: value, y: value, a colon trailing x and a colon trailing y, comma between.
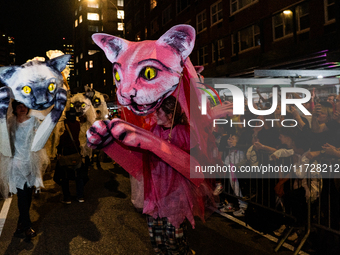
x: 35, y: 85
x: 53, y: 140
x: 87, y: 116
x: 69, y: 148
x: 98, y: 101
x: 146, y: 74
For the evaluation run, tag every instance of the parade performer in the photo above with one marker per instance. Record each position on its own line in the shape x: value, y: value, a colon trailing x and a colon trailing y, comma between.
x: 34, y: 85
x: 98, y: 101
x: 87, y: 116
x: 146, y: 73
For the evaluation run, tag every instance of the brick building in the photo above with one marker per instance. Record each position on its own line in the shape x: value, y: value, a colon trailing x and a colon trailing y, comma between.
x: 234, y: 37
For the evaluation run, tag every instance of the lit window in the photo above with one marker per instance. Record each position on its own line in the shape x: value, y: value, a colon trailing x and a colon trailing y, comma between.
x: 91, y: 52
x: 218, y: 50
x: 120, y: 2
x: 120, y: 14
x: 201, y: 20
x: 92, y: 16
x: 181, y: 5
x: 282, y: 24
x: 80, y: 19
x: 146, y: 32
x: 76, y: 23
x: 236, y: 5
x: 76, y: 59
x: 153, y: 4
x: 86, y: 66
x: 302, y: 17
x: 77, y: 72
x: 81, y: 55
x: 120, y: 26
x: 104, y: 82
x: 216, y: 13
x: 92, y: 5
x: 76, y: 12
x: 202, y: 56
x: 246, y: 38
x: 104, y: 71
x: 166, y: 15
x: 91, y: 85
x: 329, y: 10
x: 91, y: 64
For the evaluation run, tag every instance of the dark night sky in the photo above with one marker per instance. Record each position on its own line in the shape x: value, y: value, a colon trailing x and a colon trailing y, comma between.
x: 36, y: 25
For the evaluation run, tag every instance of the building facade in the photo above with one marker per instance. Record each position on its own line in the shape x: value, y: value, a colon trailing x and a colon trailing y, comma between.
x: 91, y: 66
x: 7, y: 49
x: 68, y: 48
x: 234, y: 37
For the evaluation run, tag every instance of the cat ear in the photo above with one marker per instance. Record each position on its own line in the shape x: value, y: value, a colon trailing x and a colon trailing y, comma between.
x: 199, y: 69
x: 111, y: 45
x: 6, y: 73
x: 59, y: 63
x: 181, y: 38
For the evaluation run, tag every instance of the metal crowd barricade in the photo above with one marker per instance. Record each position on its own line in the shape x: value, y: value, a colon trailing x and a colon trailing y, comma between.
x: 328, y: 213
x: 263, y: 194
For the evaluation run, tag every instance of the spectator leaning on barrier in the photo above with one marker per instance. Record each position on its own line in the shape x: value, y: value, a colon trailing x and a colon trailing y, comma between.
x: 295, y: 200
x: 234, y: 157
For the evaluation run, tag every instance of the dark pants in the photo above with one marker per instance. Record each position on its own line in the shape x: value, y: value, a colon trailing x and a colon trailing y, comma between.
x: 66, y: 188
x: 165, y: 238
x: 24, y: 204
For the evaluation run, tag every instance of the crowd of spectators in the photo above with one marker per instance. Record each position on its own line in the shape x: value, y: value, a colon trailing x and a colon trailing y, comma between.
x: 314, y: 140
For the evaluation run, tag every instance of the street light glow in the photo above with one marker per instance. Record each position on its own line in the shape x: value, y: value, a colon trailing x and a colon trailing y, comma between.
x: 287, y: 12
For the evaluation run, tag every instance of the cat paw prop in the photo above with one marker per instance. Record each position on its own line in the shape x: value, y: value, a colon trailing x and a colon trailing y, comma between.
x: 46, y: 127
x: 99, y: 135
x: 5, y: 96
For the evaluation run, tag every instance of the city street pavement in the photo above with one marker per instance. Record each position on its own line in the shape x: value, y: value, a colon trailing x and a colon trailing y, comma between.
x: 107, y: 223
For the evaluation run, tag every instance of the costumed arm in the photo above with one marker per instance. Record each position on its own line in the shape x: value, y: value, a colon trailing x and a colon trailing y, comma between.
x: 106, y: 134
x: 45, y: 129
x: 5, y: 96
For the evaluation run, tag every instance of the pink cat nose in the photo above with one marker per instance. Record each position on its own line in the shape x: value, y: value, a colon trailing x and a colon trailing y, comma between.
x: 128, y: 93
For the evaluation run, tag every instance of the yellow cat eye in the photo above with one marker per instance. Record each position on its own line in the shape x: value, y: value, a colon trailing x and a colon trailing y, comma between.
x: 150, y: 73
x: 72, y: 105
x: 51, y: 87
x: 27, y: 90
x: 117, y: 76
x: 96, y: 100
x: 83, y: 105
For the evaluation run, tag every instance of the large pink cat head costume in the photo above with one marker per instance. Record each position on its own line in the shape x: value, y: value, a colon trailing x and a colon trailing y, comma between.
x: 147, y: 72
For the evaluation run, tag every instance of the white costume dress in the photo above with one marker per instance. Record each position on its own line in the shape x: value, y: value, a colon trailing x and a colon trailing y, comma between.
x: 25, y: 165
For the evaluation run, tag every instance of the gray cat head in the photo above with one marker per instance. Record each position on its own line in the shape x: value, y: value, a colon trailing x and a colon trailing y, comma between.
x: 35, y: 83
